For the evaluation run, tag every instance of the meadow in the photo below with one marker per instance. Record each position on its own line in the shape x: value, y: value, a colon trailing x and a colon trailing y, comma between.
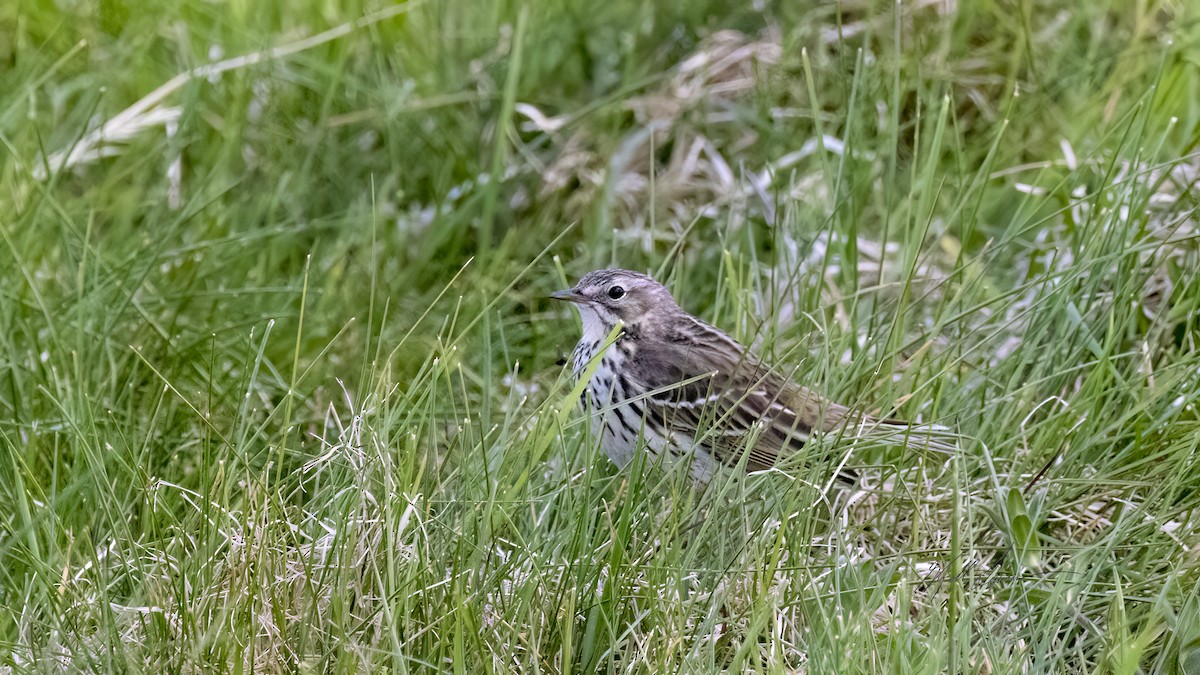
x: 281, y: 389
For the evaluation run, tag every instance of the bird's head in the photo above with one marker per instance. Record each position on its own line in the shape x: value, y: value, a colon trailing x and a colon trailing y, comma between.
x: 605, y: 297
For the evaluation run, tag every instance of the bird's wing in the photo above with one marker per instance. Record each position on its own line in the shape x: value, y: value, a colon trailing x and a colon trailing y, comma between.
x: 703, y: 384
x: 720, y: 394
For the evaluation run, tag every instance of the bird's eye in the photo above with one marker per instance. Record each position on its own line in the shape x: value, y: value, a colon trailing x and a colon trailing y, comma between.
x: 616, y: 292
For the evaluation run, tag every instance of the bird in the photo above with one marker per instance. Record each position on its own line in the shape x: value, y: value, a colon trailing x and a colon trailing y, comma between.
x: 685, y: 390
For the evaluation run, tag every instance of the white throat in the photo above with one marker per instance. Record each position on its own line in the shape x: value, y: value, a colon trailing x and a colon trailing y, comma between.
x: 595, y: 328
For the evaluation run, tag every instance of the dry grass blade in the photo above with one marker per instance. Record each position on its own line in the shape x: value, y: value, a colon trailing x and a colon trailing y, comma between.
x: 149, y: 111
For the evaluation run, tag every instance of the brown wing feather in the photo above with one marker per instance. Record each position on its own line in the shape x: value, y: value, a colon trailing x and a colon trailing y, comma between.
x: 709, y: 386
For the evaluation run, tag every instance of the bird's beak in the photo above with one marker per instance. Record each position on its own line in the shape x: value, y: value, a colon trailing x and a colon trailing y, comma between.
x: 569, y: 295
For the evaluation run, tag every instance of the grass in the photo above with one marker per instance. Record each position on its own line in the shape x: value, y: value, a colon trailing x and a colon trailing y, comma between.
x: 278, y: 379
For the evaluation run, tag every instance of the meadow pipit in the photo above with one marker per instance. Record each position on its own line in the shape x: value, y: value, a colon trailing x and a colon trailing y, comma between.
x: 687, y: 389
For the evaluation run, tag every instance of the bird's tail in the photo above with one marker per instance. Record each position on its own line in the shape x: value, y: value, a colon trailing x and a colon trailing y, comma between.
x: 928, y: 437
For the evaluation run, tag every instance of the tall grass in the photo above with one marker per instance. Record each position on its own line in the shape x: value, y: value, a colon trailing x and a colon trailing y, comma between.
x: 280, y: 390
